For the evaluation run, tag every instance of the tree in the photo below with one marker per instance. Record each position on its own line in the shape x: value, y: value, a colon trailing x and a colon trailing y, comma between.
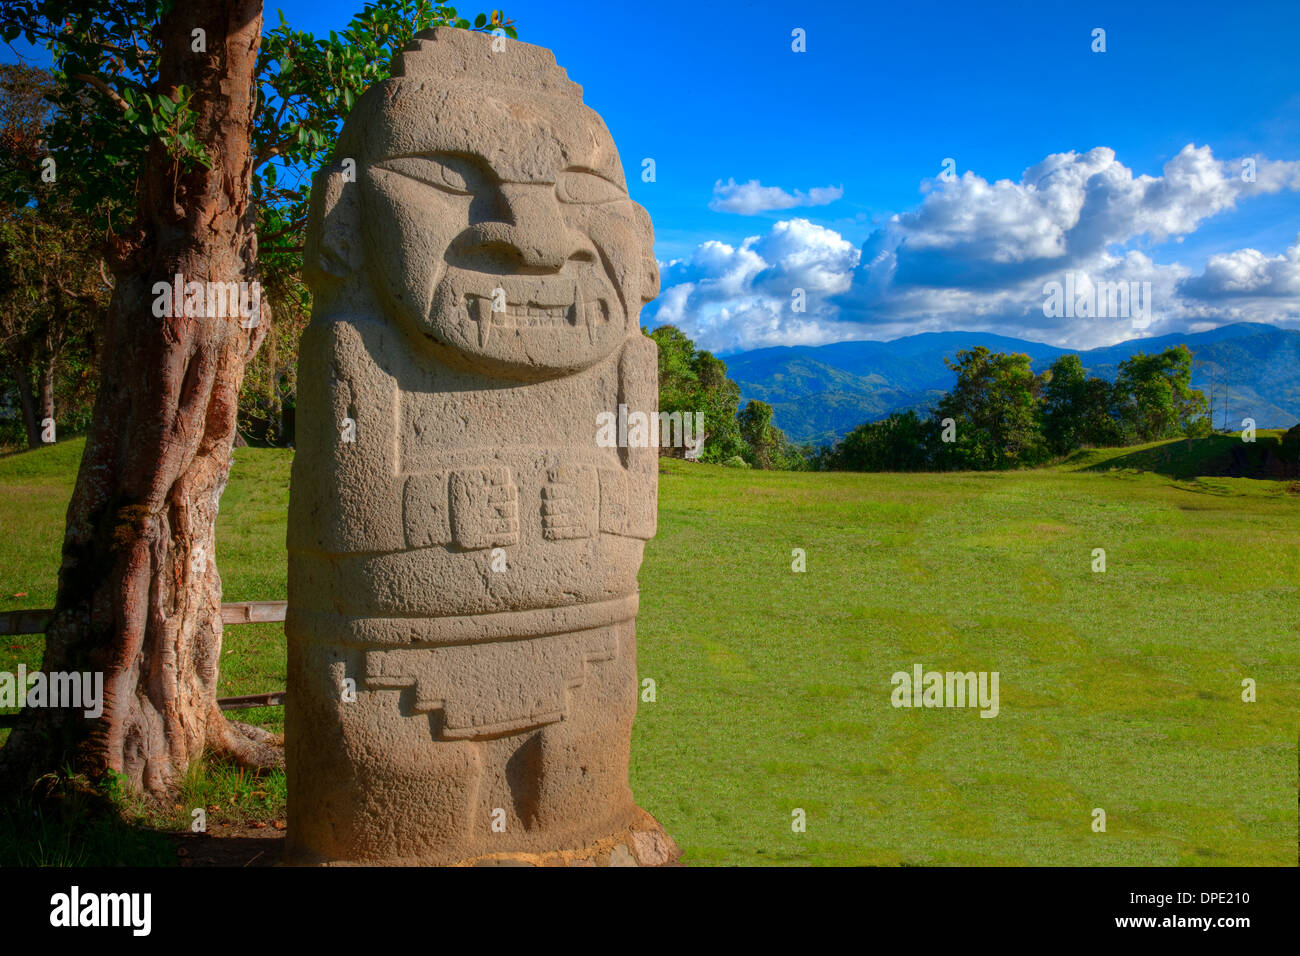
x: 1077, y: 408
x: 994, y: 408
x: 767, y: 445
x: 901, y: 442
x: 51, y: 296
x: 694, y: 380
x: 139, y: 595
x: 719, y: 400
x: 51, y: 283
x: 1097, y: 425
x: 163, y: 103
x: 1063, y: 404
x: 679, y: 385
x: 1154, y: 398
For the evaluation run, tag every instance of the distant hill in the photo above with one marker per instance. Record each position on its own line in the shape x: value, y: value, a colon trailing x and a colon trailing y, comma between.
x: 820, y: 393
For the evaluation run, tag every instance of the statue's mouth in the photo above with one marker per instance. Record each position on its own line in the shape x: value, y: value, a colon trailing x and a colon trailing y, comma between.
x: 497, y: 311
x: 526, y: 327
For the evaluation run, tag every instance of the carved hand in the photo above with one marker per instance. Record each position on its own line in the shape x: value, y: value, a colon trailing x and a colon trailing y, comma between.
x: 568, y: 499
x: 484, y: 508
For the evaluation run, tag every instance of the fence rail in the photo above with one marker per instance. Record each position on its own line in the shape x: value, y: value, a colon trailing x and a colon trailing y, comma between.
x: 36, y: 621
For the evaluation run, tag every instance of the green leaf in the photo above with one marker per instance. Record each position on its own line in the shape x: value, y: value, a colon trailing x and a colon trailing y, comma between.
x: 480, y: 20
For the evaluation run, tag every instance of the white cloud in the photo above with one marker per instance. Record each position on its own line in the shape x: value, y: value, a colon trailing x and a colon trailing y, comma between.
x: 753, y: 197
x: 1070, y: 206
x: 976, y: 254
x: 1247, y: 273
x: 727, y: 297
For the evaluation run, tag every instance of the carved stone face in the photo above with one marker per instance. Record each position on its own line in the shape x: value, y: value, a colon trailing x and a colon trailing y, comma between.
x: 499, y: 226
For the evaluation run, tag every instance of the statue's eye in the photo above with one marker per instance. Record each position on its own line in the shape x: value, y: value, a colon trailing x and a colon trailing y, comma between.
x: 451, y: 174
x: 581, y: 186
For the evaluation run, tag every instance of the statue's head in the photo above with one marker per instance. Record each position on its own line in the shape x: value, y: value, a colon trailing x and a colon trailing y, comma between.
x: 493, y: 214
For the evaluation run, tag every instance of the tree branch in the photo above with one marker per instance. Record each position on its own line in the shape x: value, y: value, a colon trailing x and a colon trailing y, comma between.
x: 293, y: 226
x: 104, y: 88
x: 274, y: 150
x: 61, y: 36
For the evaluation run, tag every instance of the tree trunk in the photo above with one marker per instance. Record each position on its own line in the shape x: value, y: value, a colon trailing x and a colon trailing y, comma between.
x: 139, y: 595
x: 47, y: 391
x: 27, y: 399
x: 56, y: 333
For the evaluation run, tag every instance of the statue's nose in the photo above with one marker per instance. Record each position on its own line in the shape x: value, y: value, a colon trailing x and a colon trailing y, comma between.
x: 531, y: 228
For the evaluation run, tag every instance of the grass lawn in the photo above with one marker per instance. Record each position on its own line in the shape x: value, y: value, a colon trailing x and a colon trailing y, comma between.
x: 1119, y: 690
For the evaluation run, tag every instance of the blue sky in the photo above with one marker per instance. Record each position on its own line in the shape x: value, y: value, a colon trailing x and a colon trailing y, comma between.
x: 882, y: 95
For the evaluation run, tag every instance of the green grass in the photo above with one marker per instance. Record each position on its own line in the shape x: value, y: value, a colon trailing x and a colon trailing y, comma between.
x: 75, y: 826
x: 78, y: 825
x: 1119, y: 690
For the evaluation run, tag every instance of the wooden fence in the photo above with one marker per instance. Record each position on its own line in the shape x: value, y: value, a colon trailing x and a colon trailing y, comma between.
x: 13, y: 623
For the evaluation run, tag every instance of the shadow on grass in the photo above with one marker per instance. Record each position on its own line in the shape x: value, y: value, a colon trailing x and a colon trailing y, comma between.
x: 67, y: 821
x: 74, y: 826
x: 1219, y: 456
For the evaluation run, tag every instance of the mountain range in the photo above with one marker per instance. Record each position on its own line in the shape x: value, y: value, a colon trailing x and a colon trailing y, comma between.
x: 820, y: 393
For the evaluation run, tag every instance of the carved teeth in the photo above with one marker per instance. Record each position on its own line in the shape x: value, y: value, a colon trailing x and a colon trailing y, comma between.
x: 530, y: 315
x: 484, y: 319
x: 580, y: 312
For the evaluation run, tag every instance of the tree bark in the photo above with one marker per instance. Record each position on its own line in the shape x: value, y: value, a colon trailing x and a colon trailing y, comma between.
x: 47, y: 390
x: 27, y: 400
x: 139, y: 594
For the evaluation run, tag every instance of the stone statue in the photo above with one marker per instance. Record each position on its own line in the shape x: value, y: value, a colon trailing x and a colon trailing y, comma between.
x: 462, y: 553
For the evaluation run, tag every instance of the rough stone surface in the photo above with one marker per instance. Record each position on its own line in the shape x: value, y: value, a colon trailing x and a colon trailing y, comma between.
x: 654, y: 847
x: 463, y: 553
x: 620, y: 856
